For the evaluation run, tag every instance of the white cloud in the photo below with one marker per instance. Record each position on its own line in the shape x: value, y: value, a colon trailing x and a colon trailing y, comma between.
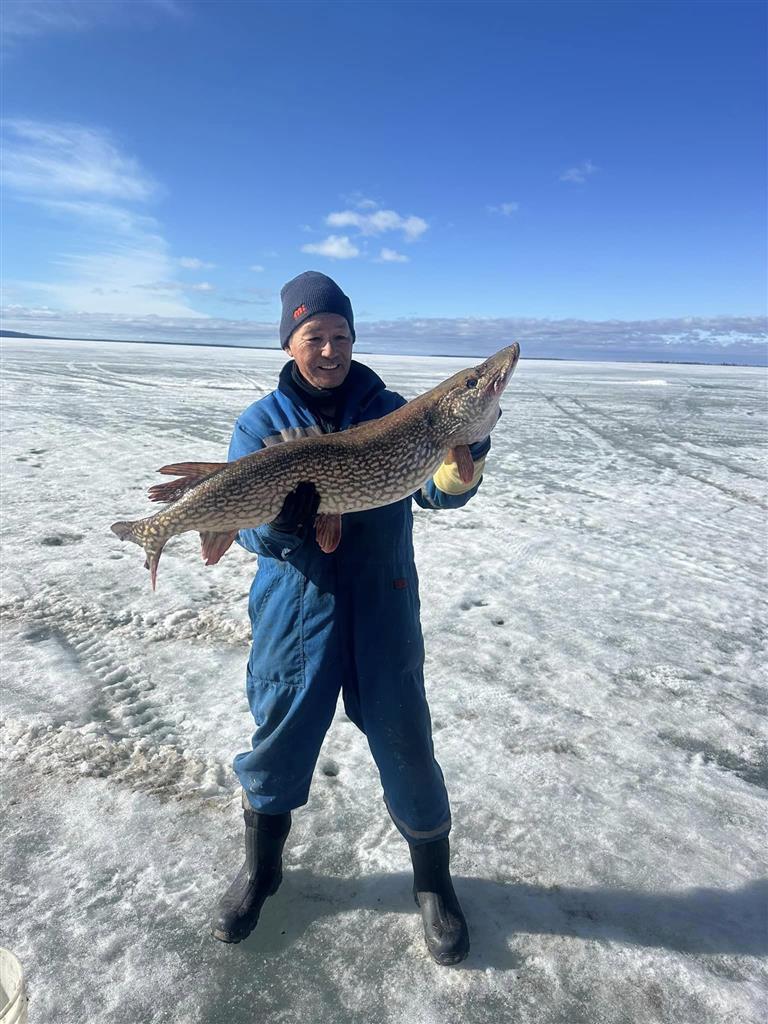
x: 108, y: 252
x: 44, y: 319
x: 367, y: 221
x: 257, y: 297
x: 580, y: 172
x: 391, y: 256
x: 97, y: 216
x: 336, y: 247
x: 111, y: 281
x: 28, y: 18
x: 505, y: 209
x: 238, y: 300
x: 378, y: 222
x: 193, y: 263
x: 69, y: 160
x: 176, y: 286
x: 685, y: 339
x: 705, y: 339
x: 257, y: 268
x: 359, y: 201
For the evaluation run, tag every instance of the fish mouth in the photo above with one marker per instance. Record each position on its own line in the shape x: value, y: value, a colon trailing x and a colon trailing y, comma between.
x: 495, y: 385
x: 500, y: 377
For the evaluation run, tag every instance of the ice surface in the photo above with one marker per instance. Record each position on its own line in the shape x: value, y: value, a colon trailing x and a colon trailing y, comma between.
x: 593, y: 624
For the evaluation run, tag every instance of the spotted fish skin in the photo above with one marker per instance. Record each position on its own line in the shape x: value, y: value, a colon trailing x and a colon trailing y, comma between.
x: 369, y: 465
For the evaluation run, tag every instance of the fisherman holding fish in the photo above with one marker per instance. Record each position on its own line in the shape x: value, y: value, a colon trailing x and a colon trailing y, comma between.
x: 348, y: 620
x: 334, y: 605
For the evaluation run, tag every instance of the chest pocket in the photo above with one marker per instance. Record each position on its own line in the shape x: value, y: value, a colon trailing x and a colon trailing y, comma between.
x: 276, y: 613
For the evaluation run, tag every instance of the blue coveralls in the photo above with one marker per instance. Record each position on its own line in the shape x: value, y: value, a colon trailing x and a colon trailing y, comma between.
x: 347, y: 620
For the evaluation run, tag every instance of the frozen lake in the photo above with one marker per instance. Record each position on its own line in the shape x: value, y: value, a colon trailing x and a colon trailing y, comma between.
x: 594, y: 624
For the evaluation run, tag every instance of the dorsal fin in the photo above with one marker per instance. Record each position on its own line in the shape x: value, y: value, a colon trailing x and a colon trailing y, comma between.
x: 190, y: 474
x: 192, y: 468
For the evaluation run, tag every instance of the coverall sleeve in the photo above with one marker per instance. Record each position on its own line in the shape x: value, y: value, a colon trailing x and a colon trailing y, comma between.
x: 261, y: 540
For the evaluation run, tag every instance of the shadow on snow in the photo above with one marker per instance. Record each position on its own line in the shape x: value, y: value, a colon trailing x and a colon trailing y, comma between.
x: 705, y: 921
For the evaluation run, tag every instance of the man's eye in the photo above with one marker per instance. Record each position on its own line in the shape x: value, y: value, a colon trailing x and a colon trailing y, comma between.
x: 471, y: 382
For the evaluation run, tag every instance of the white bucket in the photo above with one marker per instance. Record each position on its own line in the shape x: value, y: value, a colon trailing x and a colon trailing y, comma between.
x: 13, y: 998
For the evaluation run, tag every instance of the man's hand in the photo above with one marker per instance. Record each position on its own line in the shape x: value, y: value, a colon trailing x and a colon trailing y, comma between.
x: 299, y: 509
x: 480, y: 448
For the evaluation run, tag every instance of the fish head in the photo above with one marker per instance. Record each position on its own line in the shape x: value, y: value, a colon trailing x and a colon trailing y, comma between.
x: 468, y: 402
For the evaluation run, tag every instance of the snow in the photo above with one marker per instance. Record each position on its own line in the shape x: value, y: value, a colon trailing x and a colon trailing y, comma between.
x: 593, y: 624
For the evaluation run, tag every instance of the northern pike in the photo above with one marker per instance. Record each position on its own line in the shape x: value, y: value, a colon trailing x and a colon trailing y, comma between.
x: 372, y: 464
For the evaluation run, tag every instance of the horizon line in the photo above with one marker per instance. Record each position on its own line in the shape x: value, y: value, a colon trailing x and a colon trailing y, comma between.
x: 22, y: 336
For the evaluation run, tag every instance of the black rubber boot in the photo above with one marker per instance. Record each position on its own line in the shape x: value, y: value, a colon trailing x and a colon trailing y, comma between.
x: 445, y: 927
x: 239, y: 908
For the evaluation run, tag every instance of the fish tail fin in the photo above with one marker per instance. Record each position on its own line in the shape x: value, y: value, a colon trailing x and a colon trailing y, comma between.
x: 140, y: 532
x: 129, y: 530
x: 152, y: 562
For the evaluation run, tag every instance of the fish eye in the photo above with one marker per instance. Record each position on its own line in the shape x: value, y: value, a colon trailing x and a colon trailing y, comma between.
x: 471, y: 382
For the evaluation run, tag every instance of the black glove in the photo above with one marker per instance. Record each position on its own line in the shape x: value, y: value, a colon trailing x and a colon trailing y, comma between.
x: 480, y: 448
x: 299, y: 509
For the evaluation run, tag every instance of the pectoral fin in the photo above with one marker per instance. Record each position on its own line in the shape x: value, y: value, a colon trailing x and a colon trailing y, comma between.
x: 463, y: 459
x: 328, y: 532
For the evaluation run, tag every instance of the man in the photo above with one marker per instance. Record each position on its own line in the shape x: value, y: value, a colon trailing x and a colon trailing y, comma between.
x: 347, y: 620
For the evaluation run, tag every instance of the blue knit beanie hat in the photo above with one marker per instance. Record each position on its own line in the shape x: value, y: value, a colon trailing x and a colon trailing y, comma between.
x: 307, y: 295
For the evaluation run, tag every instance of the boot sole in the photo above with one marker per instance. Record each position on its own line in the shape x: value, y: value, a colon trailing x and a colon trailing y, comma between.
x: 226, y: 937
x: 450, y: 961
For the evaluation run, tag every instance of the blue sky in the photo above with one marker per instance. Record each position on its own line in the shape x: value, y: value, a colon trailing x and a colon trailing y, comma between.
x: 169, y: 165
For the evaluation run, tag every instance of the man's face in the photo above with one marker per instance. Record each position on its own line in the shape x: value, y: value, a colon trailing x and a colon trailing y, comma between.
x: 322, y: 348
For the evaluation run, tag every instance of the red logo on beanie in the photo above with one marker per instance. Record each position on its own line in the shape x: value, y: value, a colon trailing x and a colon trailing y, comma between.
x: 299, y: 311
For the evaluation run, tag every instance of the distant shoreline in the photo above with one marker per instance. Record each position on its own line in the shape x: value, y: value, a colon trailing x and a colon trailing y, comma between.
x: 20, y: 336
